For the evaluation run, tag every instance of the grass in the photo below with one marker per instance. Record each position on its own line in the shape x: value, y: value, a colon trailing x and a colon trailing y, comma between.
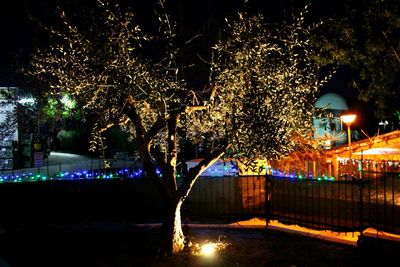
x: 122, y: 244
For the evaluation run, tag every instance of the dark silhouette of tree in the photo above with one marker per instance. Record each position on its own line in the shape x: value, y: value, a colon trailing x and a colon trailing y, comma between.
x: 364, y: 37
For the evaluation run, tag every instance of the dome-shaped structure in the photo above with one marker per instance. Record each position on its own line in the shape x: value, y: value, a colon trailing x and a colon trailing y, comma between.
x: 330, y: 128
x: 331, y: 101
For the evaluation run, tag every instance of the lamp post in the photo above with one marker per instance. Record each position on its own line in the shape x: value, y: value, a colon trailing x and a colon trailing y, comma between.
x: 348, y: 119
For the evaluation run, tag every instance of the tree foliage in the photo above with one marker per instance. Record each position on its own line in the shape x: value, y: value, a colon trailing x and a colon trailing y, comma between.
x: 265, y: 81
x: 365, y: 38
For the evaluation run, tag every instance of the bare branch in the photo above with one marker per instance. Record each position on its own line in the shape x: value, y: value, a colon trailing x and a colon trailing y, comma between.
x: 396, y: 54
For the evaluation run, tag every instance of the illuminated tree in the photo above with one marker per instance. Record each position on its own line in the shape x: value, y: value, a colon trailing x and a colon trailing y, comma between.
x: 263, y: 83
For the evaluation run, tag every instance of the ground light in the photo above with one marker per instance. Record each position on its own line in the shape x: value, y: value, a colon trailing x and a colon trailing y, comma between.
x: 210, y: 249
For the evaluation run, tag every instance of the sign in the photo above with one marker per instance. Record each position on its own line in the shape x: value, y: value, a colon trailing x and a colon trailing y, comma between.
x: 38, y: 159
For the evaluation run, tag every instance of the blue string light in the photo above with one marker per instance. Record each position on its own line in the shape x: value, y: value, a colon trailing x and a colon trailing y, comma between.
x: 81, y: 174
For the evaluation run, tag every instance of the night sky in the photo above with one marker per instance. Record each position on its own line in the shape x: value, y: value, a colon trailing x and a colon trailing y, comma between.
x: 15, y: 36
x: 19, y: 35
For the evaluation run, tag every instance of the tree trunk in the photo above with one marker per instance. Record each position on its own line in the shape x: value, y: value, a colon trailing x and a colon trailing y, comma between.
x: 172, y: 238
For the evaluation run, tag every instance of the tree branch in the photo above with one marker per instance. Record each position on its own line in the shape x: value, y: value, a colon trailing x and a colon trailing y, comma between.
x: 144, y: 145
x: 190, y: 109
x: 170, y: 171
x: 130, y: 111
x: 391, y: 47
x: 195, y: 172
x: 157, y: 126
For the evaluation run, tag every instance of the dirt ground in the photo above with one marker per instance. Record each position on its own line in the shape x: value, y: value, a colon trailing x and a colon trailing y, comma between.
x: 97, y: 244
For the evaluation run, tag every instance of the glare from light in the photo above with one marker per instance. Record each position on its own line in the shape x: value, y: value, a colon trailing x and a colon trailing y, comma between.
x: 208, y: 249
x: 380, y: 151
x: 26, y: 100
x: 68, y: 102
x: 348, y: 119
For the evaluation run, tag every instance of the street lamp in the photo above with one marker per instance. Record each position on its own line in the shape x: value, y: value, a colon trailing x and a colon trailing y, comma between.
x: 348, y: 119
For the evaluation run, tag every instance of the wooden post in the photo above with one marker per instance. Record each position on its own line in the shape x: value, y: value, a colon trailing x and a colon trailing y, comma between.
x: 335, y: 162
x: 314, y: 169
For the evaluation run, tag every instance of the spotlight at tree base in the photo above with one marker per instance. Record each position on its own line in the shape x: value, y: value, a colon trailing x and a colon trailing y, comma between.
x: 208, y: 249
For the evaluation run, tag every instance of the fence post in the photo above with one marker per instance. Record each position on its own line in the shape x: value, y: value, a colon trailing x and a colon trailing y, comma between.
x: 268, y: 195
x: 360, y: 203
x: 47, y: 166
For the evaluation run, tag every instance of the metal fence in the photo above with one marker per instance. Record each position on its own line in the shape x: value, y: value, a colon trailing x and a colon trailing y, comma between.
x: 373, y: 201
x: 369, y: 199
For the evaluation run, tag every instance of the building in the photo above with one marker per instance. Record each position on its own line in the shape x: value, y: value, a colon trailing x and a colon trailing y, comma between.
x: 375, y: 154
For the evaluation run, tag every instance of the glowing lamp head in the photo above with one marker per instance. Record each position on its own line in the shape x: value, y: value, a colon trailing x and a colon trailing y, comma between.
x: 348, y: 119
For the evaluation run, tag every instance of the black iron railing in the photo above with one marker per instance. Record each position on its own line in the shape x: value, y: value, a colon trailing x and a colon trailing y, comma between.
x: 346, y: 205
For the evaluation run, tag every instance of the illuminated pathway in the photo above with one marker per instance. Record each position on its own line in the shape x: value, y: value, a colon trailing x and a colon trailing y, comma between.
x: 349, y: 238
